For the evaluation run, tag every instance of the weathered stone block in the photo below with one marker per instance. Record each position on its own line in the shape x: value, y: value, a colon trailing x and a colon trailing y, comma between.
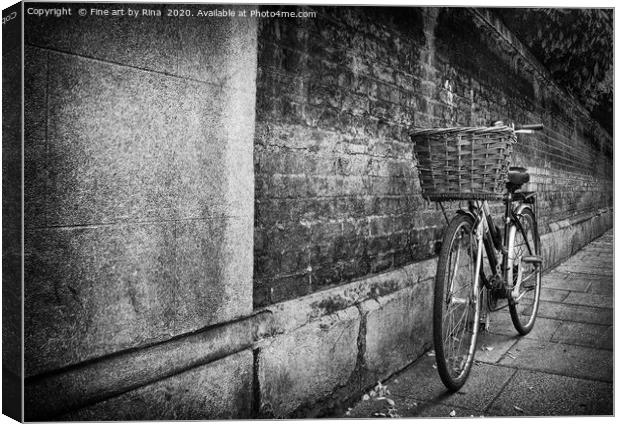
x: 146, y: 42
x: 35, y: 129
x: 218, y: 50
x: 303, y: 366
x: 91, y: 291
x: 126, y: 144
x: 567, y: 239
x: 219, y: 390
x: 88, y: 383
x: 398, y: 328
x: 35, y: 95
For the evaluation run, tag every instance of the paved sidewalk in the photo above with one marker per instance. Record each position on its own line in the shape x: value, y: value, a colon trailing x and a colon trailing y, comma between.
x: 563, y: 367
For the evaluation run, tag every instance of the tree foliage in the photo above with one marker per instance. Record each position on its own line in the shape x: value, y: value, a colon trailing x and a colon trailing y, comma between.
x: 576, y: 45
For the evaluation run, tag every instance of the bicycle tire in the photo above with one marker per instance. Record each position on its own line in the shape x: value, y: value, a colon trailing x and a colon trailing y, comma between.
x: 454, y: 365
x: 524, y: 307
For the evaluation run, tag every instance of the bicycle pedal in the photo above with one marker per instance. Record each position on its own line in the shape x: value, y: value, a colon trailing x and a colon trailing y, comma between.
x: 532, y: 259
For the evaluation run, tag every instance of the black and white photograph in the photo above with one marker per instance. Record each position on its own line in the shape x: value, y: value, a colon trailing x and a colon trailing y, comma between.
x: 251, y: 211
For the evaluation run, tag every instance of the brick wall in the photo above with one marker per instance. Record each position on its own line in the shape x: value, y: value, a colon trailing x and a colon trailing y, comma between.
x: 337, y: 195
x: 570, y: 162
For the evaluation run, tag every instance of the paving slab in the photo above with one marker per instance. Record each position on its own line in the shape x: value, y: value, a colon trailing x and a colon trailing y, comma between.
x: 586, y: 269
x: 553, y: 295
x: 602, y: 286
x: 558, y: 280
x: 589, y: 335
x: 577, y: 313
x: 589, y: 299
x: 558, y: 358
x: 407, y: 408
x: 492, y: 347
x: 535, y: 393
x: 544, y: 328
x: 421, y: 382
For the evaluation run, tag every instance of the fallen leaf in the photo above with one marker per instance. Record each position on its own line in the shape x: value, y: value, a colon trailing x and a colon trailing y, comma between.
x: 393, y: 413
x: 389, y: 401
x: 518, y: 409
x: 453, y: 413
x: 435, y: 366
x: 431, y: 353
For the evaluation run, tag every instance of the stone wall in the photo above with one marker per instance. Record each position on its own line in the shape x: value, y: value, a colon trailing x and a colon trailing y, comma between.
x: 138, y: 202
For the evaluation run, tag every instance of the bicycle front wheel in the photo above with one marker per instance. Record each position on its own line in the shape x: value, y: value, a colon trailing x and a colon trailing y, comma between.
x: 524, y: 244
x: 456, y: 308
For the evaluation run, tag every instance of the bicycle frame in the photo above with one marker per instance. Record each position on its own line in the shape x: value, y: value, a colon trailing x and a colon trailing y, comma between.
x: 489, y: 236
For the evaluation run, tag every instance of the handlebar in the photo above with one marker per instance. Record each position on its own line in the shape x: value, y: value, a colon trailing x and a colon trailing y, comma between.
x: 521, y: 129
x: 533, y: 127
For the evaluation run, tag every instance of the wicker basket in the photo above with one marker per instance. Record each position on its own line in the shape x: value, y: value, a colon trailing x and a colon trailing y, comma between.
x: 463, y: 163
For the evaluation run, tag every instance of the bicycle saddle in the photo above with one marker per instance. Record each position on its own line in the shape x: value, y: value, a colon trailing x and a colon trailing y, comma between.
x: 518, y: 176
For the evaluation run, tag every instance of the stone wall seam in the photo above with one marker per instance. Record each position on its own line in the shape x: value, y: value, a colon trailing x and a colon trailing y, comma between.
x: 146, y: 70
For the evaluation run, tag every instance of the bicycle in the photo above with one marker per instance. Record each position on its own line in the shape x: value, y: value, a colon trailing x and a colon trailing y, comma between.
x: 472, y: 164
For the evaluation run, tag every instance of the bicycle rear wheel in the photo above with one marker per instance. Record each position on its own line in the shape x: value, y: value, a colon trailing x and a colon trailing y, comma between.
x: 524, y: 243
x: 456, y: 308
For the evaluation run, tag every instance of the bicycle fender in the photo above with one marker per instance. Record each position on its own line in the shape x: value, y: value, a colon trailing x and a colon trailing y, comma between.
x: 522, y: 207
x: 466, y: 213
x: 517, y: 224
